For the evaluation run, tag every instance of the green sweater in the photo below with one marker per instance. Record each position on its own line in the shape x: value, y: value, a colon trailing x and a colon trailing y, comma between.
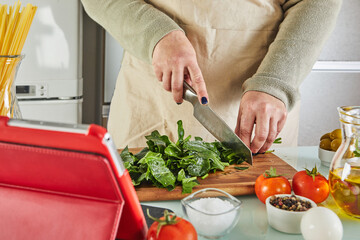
x: 138, y: 27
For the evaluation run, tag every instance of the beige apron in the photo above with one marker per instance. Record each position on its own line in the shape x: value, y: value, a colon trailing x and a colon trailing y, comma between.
x: 231, y: 37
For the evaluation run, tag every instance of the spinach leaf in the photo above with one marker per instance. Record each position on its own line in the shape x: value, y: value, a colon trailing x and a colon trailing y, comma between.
x: 187, y: 183
x: 128, y: 158
x: 198, y: 138
x: 173, y: 151
x: 137, y: 181
x: 200, y: 167
x: 217, y: 164
x: 186, y: 161
x: 205, y: 151
x: 142, y: 153
x: 166, y: 164
x: 241, y: 168
x: 181, y: 175
x: 156, y: 142
x: 201, y: 148
x: 228, y: 155
x: 181, y: 131
x: 158, y: 169
x: 205, y: 176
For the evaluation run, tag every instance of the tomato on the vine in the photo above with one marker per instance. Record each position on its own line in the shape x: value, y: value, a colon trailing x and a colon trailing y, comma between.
x: 311, y: 184
x: 270, y: 183
x: 171, y: 227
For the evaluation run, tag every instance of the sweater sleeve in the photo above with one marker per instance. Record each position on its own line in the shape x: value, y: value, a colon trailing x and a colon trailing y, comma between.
x: 135, y: 24
x: 306, y: 26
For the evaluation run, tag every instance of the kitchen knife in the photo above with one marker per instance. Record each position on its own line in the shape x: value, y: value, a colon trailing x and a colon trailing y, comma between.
x: 215, y: 125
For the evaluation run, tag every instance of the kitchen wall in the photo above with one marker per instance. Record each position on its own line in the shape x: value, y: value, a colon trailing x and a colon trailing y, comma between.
x: 334, y: 81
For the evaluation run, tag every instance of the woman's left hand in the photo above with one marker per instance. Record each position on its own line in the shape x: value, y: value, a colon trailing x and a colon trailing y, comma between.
x: 267, y: 113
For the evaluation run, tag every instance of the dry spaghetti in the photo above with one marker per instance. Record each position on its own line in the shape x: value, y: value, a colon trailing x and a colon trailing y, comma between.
x: 15, y: 22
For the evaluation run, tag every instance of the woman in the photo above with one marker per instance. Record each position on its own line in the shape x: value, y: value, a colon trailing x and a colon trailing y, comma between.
x: 246, y: 58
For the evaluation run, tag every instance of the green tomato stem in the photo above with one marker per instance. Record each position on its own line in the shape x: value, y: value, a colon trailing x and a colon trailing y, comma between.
x: 169, y: 219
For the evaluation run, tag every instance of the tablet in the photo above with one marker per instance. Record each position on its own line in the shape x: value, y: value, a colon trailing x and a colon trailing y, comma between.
x: 63, y: 181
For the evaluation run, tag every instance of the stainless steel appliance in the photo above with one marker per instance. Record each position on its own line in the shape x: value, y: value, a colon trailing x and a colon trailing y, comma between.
x: 49, y: 81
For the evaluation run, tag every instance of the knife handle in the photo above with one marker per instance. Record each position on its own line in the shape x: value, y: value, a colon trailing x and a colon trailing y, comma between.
x: 190, y: 94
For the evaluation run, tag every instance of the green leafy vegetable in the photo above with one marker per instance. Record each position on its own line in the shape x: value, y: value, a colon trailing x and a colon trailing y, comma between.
x: 270, y: 151
x: 127, y: 157
x: 357, y: 149
x: 166, y: 164
x: 276, y: 141
x: 200, y: 167
x: 187, y: 183
x: 205, y: 176
x: 156, y: 166
x: 241, y: 168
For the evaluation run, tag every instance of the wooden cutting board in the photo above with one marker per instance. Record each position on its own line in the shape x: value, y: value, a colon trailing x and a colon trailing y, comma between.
x: 233, y: 181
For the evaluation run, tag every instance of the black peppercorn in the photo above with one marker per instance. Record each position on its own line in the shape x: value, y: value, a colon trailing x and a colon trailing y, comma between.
x: 291, y: 203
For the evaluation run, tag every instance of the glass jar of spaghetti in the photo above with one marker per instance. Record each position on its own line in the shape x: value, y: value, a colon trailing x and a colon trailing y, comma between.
x: 9, y: 65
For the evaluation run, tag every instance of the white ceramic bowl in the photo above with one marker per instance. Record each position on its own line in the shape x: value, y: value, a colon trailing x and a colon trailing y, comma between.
x: 203, y: 209
x: 284, y: 220
x: 325, y: 156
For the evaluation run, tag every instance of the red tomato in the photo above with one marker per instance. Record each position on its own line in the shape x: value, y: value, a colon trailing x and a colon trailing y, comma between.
x: 311, y: 184
x: 270, y: 183
x: 178, y: 229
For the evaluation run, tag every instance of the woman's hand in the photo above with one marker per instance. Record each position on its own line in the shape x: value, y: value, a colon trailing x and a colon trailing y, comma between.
x: 269, y: 115
x: 174, y: 59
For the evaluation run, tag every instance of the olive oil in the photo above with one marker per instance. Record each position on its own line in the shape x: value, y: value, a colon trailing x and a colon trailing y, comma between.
x: 346, y: 192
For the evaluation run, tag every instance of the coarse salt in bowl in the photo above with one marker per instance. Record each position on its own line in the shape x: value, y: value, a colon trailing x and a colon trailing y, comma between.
x: 212, y: 211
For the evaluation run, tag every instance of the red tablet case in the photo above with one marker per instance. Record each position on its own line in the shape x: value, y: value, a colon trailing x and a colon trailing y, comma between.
x: 64, y: 182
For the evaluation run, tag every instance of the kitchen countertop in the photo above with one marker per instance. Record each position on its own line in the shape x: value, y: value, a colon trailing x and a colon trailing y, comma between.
x: 253, y: 222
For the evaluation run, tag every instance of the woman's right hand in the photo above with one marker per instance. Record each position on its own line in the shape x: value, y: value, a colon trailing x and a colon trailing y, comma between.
x: 174, y: 60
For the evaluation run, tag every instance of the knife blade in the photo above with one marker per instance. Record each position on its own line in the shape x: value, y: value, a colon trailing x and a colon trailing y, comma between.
x: 216, y: 125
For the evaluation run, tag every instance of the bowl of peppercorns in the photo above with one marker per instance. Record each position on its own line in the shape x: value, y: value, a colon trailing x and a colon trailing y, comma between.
x: 284, y: 211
